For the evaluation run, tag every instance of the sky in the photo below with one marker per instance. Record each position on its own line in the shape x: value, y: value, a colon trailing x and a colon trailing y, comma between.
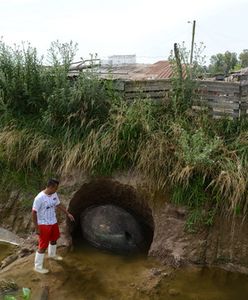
x: 148, y: 29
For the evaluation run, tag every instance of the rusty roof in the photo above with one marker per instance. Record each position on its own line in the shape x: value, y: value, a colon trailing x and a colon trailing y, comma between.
x: 160, y: 70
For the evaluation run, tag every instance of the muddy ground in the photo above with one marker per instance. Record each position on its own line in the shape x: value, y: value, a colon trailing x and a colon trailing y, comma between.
x: 224, y: 244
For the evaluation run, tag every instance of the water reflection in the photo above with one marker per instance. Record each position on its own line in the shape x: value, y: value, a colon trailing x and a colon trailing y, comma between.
x: 90, y: 274
x: 6, y: 249
x: 96, y: 274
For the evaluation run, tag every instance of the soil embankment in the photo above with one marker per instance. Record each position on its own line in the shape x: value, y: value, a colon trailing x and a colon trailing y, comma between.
x: 224, y: 244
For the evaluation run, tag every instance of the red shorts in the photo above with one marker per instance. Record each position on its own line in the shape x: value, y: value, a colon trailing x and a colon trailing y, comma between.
x: 47, y: 234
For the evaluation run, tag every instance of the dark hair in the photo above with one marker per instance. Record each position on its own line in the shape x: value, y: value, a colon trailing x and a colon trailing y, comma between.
x: 52, y: 182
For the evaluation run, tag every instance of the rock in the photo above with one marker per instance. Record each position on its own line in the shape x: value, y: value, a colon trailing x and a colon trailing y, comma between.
x: 173, y: 292
x: 9, y: 237
x: 44, y: 293
x: 181, y: 211
x: 8, y: 260
x: 7, y: 286
x: 25, y: 252
x: 155, y: 271
x: 35, y: 279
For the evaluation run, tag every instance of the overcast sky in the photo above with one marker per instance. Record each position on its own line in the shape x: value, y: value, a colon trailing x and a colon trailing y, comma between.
x: 145, y: 28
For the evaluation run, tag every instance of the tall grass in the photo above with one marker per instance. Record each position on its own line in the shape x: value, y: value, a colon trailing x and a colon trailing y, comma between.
x: 52, y: 125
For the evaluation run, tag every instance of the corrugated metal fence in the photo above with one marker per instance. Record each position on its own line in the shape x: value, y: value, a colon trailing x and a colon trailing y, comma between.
x: 228, y: 99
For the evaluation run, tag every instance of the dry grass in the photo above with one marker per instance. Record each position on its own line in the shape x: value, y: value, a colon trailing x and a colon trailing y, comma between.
x: 51, y: 125
x: 164, y: 158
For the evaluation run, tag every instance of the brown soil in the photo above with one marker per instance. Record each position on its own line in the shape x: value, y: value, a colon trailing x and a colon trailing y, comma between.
x: 61, y: 277
x: 224, y: 244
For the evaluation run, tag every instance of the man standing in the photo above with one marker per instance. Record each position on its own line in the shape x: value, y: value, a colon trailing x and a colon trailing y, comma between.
x: 45, y: 222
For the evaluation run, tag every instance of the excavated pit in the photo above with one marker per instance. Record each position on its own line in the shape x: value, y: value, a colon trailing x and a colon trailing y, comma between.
x: 105, y: 202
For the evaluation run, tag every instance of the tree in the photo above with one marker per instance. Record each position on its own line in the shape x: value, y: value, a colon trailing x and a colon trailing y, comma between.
x: 243, y: 57
x: 223, y: 63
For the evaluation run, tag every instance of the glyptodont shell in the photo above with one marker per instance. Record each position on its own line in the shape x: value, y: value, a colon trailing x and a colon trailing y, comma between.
x: 113, y: 228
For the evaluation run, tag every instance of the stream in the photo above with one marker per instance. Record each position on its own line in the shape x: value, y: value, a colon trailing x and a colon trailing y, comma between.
x: 90, y: 274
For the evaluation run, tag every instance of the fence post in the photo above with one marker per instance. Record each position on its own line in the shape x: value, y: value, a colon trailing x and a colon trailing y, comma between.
x: 243, y: 98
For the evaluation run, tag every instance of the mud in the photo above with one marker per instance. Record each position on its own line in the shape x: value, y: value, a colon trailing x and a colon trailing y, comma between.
x: 89, y: 274
x: 224, y: 244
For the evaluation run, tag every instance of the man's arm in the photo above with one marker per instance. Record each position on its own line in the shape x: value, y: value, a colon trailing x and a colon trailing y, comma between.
x: 34, y: 217
x: 62, y: 208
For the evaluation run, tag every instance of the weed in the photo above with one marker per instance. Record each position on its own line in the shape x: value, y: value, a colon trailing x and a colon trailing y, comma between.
x: 50, y: 124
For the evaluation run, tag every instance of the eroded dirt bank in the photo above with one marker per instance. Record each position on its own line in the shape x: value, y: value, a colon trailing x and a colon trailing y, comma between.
x: 224, y: 244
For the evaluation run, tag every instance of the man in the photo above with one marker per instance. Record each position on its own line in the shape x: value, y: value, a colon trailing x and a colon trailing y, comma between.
x: 45, y: 222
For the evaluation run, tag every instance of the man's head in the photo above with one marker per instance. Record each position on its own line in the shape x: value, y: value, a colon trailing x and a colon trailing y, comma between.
x: 52, y: 185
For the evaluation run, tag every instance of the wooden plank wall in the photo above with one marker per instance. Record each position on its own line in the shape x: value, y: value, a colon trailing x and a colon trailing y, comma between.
x: 228, y: 99
x: 244, y: 98
x: 221, y: 98
x: 144, y: 89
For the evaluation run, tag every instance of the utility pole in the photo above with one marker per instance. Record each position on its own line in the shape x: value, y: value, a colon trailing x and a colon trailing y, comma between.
x: 192, y: 43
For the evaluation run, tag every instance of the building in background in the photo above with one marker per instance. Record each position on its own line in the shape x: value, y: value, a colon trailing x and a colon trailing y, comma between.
x: 122, y: 60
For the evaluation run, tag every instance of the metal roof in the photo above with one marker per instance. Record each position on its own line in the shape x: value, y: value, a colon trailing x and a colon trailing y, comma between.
x: 160, y: 70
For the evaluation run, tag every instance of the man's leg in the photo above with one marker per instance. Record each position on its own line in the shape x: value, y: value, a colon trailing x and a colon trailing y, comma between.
x: 52, y: 248
x: 40, y: 253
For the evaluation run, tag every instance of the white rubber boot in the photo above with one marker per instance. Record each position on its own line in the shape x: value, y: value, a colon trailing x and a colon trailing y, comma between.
x: 52, y: 252
x: 38, y: 263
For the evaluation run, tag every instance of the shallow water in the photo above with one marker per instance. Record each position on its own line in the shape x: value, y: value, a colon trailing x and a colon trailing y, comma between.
x: 100, y: 275
x: 89, y: 274
x: 6, y: 249
x: 208, y: 283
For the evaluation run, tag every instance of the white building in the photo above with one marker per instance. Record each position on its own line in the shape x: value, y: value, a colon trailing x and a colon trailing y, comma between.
x: 122, y: 59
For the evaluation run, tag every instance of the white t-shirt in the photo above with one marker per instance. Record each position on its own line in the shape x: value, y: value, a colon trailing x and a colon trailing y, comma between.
x: 45, y: 205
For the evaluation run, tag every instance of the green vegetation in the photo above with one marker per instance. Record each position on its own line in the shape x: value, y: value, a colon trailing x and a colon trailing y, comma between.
x: 52, y: 125
x: 26, y: 294
x: 243, y: 57
x: 224, y: 63
x: 8, y: 287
